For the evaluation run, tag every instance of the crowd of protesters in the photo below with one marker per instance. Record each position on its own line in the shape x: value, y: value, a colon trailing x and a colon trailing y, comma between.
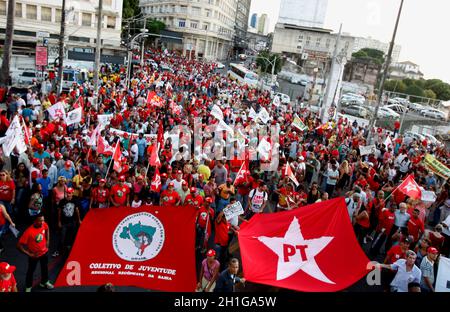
x: 51, y: 187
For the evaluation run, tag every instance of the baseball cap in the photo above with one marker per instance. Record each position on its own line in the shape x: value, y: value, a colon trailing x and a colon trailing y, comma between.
x: 193, y: 189
x: 229, y: 180
x: 171, y: 184
x: 40, y: 146
x: 179, y: 172
x: 6, y: 268
x: 35, y: 161
x: 58, y: 155
x: 211, y: 253
x: 208, y: 199
x: 432, y: 250
x: 164, y: 175
x: 67, y: 164
x: 102, y: 181
x: 406, y: 240
x: 184, y: 183
x: 122, y: 178
x: 70, y: 190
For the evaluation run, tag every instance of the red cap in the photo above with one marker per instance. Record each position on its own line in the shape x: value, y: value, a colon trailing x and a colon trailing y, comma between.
x: 122, y: 178
x: 169, y: 167
x: 35, y: 161
x: 102, y: 181
x: 58, y: 155
x: 125, y: 135
x: 193, y: 189
x: 70, y: 190
x: 184, y: 183
x: 179, y: 172
x: 432, y: 250
x: 5, y: 268
x: 68, y: 163
x: 164, y: 175
x: 40, y: 146
x: 208, y: 200
x: 171, y: 184
x: 211, y: 253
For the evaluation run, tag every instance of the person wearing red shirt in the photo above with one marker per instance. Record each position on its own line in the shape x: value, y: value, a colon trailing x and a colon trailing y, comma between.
x: 397, y: 252
x: 7, y: 190
x: 396, y: 127
x: 205, y: 216
x: 415, y: 225
x: 170, y: 197
x: 34, y: 243
x: 194, y: 198
x: 7, y: 281
x: 100, y: 196
x: 244, y: 186
x: 221, y: 237
x: 120, y: 193
x: 386, y: 221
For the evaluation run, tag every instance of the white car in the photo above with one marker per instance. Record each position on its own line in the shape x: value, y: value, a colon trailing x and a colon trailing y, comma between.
x: 353, y: 96
x: 284, y: 98
x: 219, y: 65
x: 413, y: 135
x: 27, y: 78
x: 397, y: 108
x: 430, y: 138
x: 416, y: 107
x: 384, y: 112
x: 434, y: 113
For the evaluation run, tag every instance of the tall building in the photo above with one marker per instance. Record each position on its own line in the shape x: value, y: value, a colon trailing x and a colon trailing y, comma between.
x: 263, y: 24
x: 44, y: 16
x: 207, y: 27
x: 305, y: 13
x: 241, y: 26
x: 371, y: 43
x: 254, y: 20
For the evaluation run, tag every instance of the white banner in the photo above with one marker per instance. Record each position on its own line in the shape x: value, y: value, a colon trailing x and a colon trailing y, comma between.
x: 276, y: 101
x: 264, y: 115
x: 253, y: 115
x: 223, y: 126
x: 105, y: 119
x: 264, y: 149
x: 120, y: 133
x: 9, y: 145
x: 367, y: 150
x: 217, y: 112
x: 233, y: 211
x: 74, y: 116
x: 443, y: 275
x: 428, y: 196
x: 14, y: 138
x: 57, y: 111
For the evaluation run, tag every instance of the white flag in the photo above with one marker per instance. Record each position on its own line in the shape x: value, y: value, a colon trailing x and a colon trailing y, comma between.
x: 14, y: 138
x: 74, y: 116
x: 253, y: 115
x: 367, y: 150
x: 57, y: 111
x: 217, y: 112
x: 264, y: 115
x: 223, y: 126
x: 276, y: 101
x: 264, y: 149
x: 388, y: 142
x: 442, y: 279
x: 105, y: 119
x: 93, y: 139
x: 9, y: 144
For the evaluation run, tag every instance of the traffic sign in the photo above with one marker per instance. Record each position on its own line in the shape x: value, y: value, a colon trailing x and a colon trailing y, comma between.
x: 42, y: 34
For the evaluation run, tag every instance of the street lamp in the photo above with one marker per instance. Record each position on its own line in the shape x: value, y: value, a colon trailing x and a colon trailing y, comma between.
x: 273, y: 63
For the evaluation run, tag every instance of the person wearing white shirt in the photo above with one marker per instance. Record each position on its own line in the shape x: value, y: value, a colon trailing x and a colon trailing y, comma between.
x: 407, y: 272
x: 134, y: 152
x: 52, y: 171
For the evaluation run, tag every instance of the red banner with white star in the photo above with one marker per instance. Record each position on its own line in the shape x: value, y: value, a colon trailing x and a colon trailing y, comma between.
x: 144, y: 247
x: 311, y: 248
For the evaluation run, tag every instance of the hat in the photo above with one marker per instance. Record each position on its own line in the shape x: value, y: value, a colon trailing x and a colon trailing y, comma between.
x: 406, y: 240
x: 5, y: 268
x: 169, y: 167
x: 211, y: 253
x: 208, y: 200
x: 164, y: 175
x: 125, y: 135
x: 38, y: 126
x: 70, y: 190
x: 40, y: 146
x: 184, y: 183
x: 193, y: 189
x: 102, y: 181
x: 68, y: 163
x: 35, y: 161
x: 432, y: 250
x: 122, y: 178
x: 171, y: 184
x: 58, y: 155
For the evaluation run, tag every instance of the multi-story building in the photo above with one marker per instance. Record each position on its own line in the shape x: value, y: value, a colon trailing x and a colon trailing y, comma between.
x: 361, y: 43
x: 257, y: 41
x: 206, y: 26
x: 263, y: 24
x: 404, y: 70
x: 305, y: 13
x: 362, y: 71
x: 312, y: 47
x: 254, y: 20
x: 241, y: 26
x: 44, y: 16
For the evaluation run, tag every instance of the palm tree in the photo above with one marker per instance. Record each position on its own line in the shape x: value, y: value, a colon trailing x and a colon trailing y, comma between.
x: 7, y: 51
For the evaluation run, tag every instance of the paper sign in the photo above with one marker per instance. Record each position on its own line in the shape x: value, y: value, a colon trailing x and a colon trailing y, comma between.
x: 428, y: 196
x: 367, y: 150
x: 443, y: 275
x: 105, y: 119
x: 14, y: 231
x: 233, y: 211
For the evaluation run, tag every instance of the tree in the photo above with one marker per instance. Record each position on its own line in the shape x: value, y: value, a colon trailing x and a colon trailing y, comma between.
x: 373, y: 55
x: 395, y: 86
x: 130, y: 8
x: 9, y: 33
x: 429, y: 94
x: 414, y: 90
x: 154, y: 26
x: 265, y: 60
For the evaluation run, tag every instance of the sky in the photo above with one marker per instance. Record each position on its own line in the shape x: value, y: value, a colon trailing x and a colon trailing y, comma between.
x: 422, y: 31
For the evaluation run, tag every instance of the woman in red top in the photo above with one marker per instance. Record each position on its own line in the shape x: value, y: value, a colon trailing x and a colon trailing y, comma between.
x: 100, y: 196
x: 7, y: 280
x: 120, y: 193
x: 221, y: 237
x: 4, y: 216
x: 7, y: 190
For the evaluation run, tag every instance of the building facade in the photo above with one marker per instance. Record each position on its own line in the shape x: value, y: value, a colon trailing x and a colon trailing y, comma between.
x: 361, y: 43
x: 256, y: 41
x: 241, y: 26
x: 311, y: 47
x: 305, y: 13
x: 263, y: 24
x: 33, y: 16
x: 207, y: 26
x: 254, y: 20
x: 362, y: 72
x: 405, y: 70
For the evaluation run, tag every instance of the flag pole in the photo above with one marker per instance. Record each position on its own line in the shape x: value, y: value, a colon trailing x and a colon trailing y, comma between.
x: 109, y: 167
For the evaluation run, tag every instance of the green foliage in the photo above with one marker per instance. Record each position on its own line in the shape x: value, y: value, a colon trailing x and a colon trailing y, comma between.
x: 432, y: 88
x: 155, y: 26
x: 429, y: 94
x: 414, y: 90
x: 373, y: 55
x: 395, y: 86
x: 265, y: 65
x: 130, y: 8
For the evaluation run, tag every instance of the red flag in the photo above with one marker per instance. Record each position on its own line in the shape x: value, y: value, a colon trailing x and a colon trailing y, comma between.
x: 103, y: 147
x: 154, y: 158
x: 160, y: 138
x: 242, y: 171
x: 135, y: 247
x: 116, y: 157
x: 410, y: 187
x: 301, y: 250
x: 156, y: 185
x: 26, y: 132
x: 153, y: 99
x: 289, y: 173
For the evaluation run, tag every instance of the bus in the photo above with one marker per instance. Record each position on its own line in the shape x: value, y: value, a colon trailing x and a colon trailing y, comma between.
x: 243, y: 75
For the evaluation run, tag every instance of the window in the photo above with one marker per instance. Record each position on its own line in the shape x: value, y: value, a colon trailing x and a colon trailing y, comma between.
x: 300, y: 38
x: 208, y: 13
x: 205, y: 26
x: 18, y: 9
x: 46, y: 14
x: 196, y: 11
x: 328, y: 42
x: 86, y: 19
x: 181, y: 23
x: 318, y: 41
x: 183, y: 9
x: 308, y: 40
x: 111, y: 23
x: 194, y: 24
x: 2, y: 7
x: 57, y: 15
x: 31, y: 11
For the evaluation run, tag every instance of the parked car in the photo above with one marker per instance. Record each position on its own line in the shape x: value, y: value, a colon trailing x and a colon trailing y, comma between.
x: 27, y: 78
x: 284, y: 98
x: 356, y: 110
x: 398, y: 108
x: 413, y: 135
x: 219, y: 65
x: 354, y: 96
x: 416, y: 107
x: 385, y: 112
x: 434, y: 113
x: 432, y: 139
x: 348, y: 102
x: 299, y: 81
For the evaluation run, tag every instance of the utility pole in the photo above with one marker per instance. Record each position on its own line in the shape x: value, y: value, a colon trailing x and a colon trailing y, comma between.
x: 384, y: 76
x: 61, y: 49
x: 143, y: 41
x: 9, y: 33
x: 325, y: 102
x: 98, y: 50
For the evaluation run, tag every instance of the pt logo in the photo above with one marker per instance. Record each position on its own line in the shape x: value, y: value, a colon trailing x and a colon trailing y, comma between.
x: 296, y: 253
x: 139, y: 237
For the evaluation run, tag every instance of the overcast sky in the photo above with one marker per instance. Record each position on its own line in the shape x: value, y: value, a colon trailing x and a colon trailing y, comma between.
x: 422, y: 33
